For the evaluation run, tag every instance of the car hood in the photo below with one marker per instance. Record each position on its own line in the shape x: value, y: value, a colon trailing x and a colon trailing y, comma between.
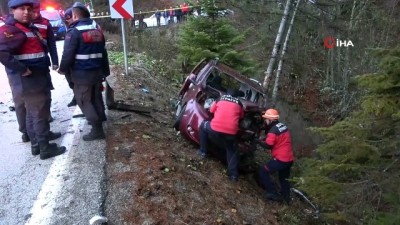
x: 56, y: 23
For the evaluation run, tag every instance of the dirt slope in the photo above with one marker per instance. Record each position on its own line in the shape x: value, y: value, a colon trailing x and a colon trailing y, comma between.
x: 154, y: 175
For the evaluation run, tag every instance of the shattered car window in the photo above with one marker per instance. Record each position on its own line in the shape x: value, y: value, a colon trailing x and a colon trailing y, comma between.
x: 222, y: 82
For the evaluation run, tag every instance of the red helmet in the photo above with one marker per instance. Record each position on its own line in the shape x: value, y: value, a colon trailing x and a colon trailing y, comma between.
x: 271, y: 114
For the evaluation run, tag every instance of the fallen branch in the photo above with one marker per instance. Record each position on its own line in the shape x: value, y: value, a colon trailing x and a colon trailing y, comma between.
x: 304, y: 197
x: 390, y: 165
x: 120, y: 105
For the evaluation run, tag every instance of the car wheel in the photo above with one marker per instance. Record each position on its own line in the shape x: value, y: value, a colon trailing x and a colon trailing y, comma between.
x: 247, y: 163
x: 144, y: 25
x: 179, y: 114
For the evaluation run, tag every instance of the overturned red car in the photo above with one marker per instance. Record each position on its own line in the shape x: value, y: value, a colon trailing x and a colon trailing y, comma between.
x: 209, y: 80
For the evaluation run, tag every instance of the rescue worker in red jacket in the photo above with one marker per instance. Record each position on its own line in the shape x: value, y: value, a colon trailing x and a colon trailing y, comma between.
x: 86, y: 56
x: 24, y: 58
x: 279, y: 141
x: 228, y: 110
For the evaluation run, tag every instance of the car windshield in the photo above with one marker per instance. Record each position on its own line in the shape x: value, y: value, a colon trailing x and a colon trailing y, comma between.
x: 50, y: 15
x: 222, y: 81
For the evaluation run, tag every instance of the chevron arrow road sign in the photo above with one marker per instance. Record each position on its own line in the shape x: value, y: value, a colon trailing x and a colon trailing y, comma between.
x: 121, y: 9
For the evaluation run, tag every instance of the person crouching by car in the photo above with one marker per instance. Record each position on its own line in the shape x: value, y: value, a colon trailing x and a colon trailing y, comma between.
x: 279, y: 141
x: 228, y: 110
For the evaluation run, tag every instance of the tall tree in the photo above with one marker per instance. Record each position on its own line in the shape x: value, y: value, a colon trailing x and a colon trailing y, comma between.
x: 277, y: 45
x: 356, y: 174
x: 283, y: 52
x: 213, y: 36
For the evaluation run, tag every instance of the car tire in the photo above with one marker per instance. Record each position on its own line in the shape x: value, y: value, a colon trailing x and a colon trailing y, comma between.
x: 144, y: 25
x: 179, y: 112
x: 247, y: 163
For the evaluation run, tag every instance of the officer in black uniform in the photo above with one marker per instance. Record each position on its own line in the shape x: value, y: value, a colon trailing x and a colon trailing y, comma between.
x: 85, y: 53
x: 24, y: 57
x: 68, y: 22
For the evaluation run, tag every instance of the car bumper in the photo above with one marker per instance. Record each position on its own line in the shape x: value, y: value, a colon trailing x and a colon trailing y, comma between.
x: 192, y: 118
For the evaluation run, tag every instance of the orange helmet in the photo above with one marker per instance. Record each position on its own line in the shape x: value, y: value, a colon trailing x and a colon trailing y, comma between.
x: 271, y: 114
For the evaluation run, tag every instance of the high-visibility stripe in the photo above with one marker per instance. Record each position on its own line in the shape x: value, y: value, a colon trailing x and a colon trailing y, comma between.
x: 38, y: 25
x: 30, y: 56
x: 87, y: 27
x: 89, y: 56
x: 30, y: 34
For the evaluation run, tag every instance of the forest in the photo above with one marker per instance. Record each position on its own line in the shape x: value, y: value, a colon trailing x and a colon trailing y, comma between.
x: 335, y: 62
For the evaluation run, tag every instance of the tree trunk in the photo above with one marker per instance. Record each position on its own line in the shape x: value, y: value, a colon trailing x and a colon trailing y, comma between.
x: 285, y: 44
x: 3, y: 8
x: 278, y: 40
x: 346, y: 69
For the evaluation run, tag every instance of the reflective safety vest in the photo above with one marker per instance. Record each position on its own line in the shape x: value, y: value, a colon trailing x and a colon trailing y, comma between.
x: 42, y: 25
x: 31, y: 53
x: 90, y: 54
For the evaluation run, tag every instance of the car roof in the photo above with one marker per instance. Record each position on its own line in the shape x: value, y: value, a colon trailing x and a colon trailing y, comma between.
x: 228, y: 70
x: 51, y: 14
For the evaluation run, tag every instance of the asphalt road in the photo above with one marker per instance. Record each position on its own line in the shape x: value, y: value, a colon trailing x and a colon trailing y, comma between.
x: 67, y: 189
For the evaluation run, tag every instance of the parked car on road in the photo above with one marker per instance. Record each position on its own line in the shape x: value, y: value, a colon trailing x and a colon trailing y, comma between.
x: 209, y: 80
x: 152, y: 22
x: 56, y: 20
x: 221, y: 12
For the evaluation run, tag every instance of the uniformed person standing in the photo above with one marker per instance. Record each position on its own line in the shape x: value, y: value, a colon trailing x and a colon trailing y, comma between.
x: 47, y: 39
x: 46, y: 33
x: 24, y: 57
x: 68, y: 21
x: 85, y: 54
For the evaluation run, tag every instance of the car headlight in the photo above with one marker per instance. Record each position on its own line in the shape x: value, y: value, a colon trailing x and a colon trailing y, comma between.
x: 208, y: 103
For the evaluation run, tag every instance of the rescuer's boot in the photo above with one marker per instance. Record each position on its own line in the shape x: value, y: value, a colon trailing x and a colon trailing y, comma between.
x: 96, y: 133
x: 25, y: 137
x: 272, y: 197
x: 73, y: 102
x: 53, y: 135
x: 35, y: 149
x: 50, y: 150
